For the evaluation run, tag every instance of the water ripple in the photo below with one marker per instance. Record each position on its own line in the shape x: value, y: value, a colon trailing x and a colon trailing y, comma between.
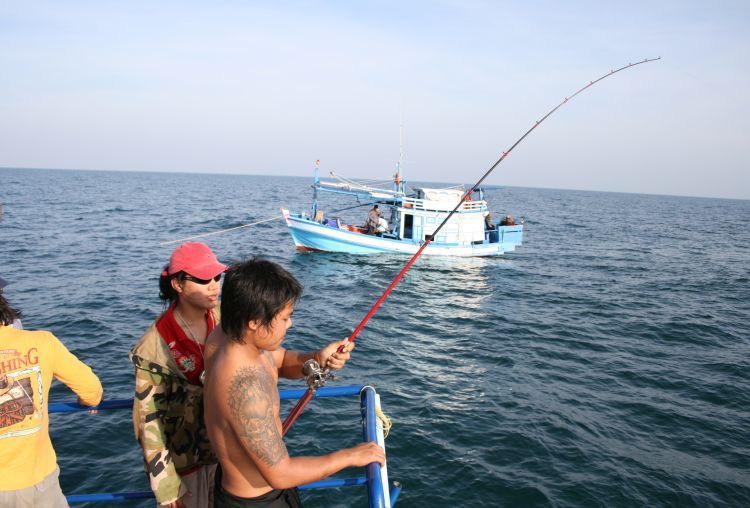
x: 605, y: 363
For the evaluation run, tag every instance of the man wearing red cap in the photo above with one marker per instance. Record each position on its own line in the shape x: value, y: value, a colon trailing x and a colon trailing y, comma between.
x: 169, y: 363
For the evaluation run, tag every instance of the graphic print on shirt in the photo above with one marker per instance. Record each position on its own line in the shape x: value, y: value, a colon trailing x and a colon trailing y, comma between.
x: 187, y: 362
x: 20, y: 393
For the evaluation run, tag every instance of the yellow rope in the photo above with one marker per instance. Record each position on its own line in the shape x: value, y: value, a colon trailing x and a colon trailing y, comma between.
x: 385, y: 420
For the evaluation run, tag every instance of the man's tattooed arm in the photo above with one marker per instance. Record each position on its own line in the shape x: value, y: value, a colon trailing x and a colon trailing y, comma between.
x: 250, y: 400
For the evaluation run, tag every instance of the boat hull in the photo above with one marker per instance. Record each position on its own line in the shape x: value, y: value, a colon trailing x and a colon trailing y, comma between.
x: 309, y: 235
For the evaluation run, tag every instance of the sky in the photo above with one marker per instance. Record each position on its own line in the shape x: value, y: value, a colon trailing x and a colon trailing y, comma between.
x: 269, y: 87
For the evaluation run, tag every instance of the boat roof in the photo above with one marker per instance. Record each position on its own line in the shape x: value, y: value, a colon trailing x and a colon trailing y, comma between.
x: 451, y: 195
x: 356, y: 188
x: 430, y: 198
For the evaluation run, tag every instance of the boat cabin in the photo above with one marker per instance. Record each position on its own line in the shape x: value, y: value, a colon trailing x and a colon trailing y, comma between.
x: 414, y: 218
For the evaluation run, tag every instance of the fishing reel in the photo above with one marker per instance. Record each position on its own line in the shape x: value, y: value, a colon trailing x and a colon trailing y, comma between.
x: 316, y: 376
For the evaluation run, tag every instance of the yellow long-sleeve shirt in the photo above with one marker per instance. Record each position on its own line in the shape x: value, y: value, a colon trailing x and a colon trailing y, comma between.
x: 28, y: 361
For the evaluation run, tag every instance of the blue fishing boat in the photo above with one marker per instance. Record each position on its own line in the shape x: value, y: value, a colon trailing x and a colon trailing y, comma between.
x: 413, y: 217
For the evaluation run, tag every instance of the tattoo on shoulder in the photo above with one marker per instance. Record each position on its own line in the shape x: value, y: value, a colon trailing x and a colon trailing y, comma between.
x: 251, y: 402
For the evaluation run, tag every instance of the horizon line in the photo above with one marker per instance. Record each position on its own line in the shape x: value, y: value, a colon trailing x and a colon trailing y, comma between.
x: 221, y: 173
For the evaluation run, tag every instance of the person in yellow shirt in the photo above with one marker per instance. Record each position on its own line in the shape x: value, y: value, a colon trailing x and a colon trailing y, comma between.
x: 28, y: 362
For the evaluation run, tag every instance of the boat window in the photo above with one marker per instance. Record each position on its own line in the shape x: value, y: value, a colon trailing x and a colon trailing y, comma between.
x: 408, y: 225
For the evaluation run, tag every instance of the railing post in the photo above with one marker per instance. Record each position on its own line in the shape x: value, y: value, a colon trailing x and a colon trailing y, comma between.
x: 375, y: 492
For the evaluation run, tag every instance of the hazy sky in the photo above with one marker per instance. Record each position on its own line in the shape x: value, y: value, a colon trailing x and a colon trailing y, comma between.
x: 268, y: 87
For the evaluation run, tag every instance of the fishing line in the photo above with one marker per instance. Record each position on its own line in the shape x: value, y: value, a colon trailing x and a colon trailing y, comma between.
x: 253, y: 224
x: 220, y: 231
x: 321, y: 376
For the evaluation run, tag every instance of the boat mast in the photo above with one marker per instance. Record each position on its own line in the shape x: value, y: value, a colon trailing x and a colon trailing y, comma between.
x: 316, y: 184
x: 398, y: 185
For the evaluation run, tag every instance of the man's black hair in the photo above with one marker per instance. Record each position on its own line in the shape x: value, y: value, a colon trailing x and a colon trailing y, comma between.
x: 255, y: 290
x: 7, y: 313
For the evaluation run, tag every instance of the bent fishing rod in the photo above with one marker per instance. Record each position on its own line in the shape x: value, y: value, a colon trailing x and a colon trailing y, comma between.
x: 317, y: 375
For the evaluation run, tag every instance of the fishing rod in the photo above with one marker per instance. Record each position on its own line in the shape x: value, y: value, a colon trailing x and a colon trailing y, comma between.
x: 316, y: 375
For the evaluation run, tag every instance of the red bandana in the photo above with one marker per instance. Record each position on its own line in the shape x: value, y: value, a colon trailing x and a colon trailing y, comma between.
x: 186, y: 352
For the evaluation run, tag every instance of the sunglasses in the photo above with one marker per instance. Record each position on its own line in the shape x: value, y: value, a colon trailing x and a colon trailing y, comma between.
x: 202, y: 282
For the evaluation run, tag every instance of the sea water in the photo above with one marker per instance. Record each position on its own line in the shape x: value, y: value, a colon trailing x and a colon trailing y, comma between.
x: 604, y: 363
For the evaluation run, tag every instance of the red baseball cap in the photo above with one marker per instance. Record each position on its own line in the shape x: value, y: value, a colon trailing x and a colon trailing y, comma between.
x: 196, y: 259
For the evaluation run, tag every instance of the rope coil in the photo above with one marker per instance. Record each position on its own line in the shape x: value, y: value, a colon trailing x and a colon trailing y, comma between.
x: 385, y: 420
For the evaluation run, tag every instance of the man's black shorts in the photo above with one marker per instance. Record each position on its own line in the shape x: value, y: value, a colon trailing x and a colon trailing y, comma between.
x: 287, y: 498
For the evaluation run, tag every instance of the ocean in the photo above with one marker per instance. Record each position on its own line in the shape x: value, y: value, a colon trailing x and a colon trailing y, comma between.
x: 604, y: 363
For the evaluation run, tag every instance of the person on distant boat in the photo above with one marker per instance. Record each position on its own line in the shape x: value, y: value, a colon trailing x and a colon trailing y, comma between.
x: 488, y: 225
x: 169, y: 363
x: 373, y: 220
x: 244, y: 361
x: 29, y: 360
x: 382, y: 226
x: 508, y: 221
x: 492, y: 234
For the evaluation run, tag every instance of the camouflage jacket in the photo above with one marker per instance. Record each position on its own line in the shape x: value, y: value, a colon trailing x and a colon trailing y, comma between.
x: 168, y: 418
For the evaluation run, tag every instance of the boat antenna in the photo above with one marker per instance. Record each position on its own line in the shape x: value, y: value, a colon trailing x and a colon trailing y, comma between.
x: 397, y: 181
x: 316, y: 184
x: 316, y: 376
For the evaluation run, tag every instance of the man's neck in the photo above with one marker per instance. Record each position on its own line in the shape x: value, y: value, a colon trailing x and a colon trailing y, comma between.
x: 248, y: 349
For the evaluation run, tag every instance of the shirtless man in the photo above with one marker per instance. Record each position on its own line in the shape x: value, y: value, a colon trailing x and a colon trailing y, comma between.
x: 244, y: 360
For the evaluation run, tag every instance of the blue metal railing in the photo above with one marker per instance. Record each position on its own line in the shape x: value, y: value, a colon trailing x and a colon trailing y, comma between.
x: 373, y: 480
x: 369, y: 430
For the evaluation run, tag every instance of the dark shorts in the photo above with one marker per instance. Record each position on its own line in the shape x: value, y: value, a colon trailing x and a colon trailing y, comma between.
x: 287, y: 498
